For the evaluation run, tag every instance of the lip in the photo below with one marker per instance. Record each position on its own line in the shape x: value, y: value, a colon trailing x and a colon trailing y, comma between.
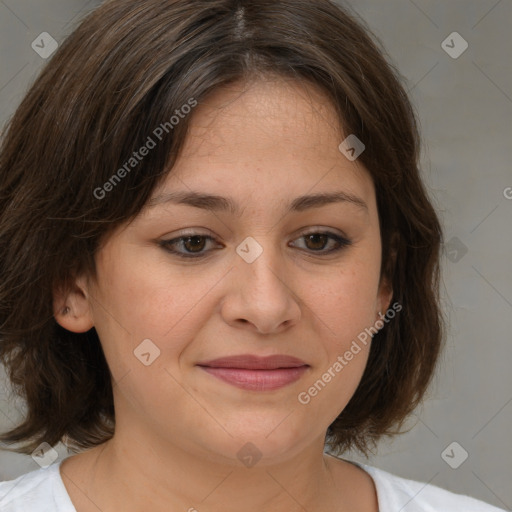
x: 256, y: 373
x: 252, y: 362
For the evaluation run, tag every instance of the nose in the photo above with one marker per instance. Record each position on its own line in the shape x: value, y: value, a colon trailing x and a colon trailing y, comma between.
x: 261, y: 294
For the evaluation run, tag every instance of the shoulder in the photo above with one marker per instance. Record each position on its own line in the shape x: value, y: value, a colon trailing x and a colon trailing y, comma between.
x: 397, y: 493
x: 41, y: 490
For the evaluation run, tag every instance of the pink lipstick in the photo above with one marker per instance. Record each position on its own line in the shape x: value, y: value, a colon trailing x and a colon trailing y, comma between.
x: 256, y: 373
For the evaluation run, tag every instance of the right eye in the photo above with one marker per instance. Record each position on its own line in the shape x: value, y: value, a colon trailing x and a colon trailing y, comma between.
x: 193, y: 243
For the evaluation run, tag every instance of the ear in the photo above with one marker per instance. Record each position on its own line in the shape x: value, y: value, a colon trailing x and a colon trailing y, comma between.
x: 385, y: 293
x: 71, y: 308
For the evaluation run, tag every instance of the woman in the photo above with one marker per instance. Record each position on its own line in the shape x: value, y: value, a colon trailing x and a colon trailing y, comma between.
x: 217, y: 256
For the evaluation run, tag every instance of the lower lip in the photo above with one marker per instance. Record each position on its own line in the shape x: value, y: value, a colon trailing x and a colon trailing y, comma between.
x: 257, y: 380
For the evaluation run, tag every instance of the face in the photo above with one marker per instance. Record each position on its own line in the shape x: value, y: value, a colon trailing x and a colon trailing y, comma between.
x: 188, y: 283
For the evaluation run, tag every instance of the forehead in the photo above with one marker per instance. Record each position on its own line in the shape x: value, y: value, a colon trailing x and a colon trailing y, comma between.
x: 271, y: 111
x: 269, y: 140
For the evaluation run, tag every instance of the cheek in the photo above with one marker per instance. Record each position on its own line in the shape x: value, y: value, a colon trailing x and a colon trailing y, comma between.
x: 345, y: 301
x: 344, y: 307
x: 346, y: 310
x: 140, y: 301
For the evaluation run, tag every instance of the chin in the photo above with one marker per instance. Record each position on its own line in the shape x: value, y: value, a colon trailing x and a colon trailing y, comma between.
x: 251, y: 445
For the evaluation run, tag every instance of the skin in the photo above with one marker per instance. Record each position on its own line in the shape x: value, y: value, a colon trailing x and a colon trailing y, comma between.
x: 178, y: 429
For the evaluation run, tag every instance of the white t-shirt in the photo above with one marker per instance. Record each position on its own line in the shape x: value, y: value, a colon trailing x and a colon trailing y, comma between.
x: 43, y: 490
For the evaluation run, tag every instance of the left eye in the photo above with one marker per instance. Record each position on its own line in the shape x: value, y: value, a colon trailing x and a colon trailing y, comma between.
x: 194, y: 244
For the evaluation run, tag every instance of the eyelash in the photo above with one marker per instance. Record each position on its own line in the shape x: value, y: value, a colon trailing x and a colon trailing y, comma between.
x: 166, y: 244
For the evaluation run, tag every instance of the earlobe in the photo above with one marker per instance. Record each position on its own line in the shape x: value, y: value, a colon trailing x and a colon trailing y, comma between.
x: 71, y: 309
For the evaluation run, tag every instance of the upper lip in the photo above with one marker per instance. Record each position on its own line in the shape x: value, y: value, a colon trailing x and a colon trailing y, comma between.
x: 252, y: 362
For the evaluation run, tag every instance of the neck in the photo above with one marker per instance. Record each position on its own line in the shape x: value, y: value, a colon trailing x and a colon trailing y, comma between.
x: 127, y: 474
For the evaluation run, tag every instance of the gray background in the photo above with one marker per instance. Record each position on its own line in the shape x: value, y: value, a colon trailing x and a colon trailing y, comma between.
x: 465, y: 109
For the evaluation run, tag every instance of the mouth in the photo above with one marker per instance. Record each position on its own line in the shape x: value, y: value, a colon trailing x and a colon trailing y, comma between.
x: 256, y: 373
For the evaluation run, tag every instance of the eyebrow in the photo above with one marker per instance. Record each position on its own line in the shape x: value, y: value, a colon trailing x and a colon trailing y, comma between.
x: 220, y: 203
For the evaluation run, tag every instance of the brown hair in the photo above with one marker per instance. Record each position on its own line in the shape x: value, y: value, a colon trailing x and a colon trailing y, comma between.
x: 123, y: 72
